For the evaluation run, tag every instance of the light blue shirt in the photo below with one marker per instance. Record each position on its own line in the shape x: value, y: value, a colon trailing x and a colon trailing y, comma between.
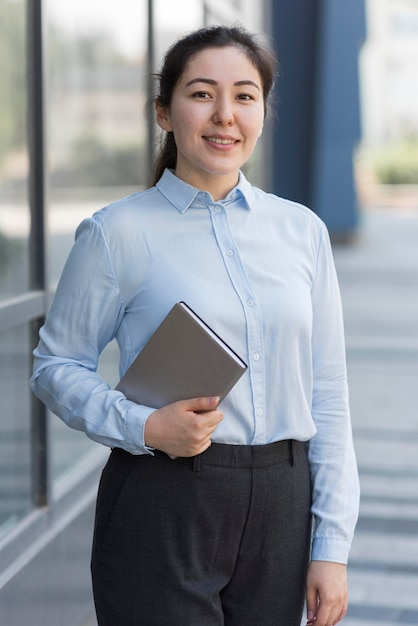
x: 259, y: 270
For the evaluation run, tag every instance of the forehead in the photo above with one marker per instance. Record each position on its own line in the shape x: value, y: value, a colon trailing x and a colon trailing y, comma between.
x: 229, y: 62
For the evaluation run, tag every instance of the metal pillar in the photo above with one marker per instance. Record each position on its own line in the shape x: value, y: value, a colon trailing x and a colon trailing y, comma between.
x: 318, y: 123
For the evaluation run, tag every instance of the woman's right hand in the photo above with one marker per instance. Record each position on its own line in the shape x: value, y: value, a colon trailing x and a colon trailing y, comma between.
x: 183, y: 428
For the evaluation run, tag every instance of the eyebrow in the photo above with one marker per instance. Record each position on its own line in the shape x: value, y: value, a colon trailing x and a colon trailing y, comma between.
x: 210, y: 81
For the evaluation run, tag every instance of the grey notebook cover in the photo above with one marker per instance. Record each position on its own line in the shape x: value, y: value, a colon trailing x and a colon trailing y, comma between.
x: 183, y: 359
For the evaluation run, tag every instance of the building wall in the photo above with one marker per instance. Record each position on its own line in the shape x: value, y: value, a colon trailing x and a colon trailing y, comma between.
x: 389, y: 71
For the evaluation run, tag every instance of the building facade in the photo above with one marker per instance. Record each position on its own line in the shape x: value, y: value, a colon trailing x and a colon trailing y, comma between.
x: 389, y: 72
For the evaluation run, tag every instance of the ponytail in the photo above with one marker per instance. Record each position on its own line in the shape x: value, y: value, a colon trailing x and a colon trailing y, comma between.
x: 166, y: 158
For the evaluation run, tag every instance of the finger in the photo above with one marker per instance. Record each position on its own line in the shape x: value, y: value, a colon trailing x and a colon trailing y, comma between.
x: 311, y: 618
x: 342, y: 613
x: 327, y: 615
x: 195, y: 446
x: 204, y: 446
x: 311, y: 604
x: 211, y: 419
x: 337, y: 610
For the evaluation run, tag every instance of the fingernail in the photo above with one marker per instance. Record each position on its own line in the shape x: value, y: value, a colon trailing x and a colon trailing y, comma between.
x: 214, y: 400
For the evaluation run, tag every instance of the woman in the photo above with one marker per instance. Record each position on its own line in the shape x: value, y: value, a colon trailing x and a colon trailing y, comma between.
x: 204, y: 511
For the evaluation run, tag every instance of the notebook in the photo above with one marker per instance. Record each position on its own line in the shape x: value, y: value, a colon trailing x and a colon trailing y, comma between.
x: 183, y: 359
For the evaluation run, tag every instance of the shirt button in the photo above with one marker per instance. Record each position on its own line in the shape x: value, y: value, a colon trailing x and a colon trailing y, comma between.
x: 256, y: 357
x: 217, y: 209
x: 259, y: 412
x: 250, y: 302
x: 230, y: 252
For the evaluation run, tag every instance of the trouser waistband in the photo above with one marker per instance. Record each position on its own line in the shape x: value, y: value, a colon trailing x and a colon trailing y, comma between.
x: 227, y: 455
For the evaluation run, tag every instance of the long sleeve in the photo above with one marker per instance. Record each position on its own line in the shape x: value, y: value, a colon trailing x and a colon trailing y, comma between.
x: 331, y: 451
x: 85, y: 315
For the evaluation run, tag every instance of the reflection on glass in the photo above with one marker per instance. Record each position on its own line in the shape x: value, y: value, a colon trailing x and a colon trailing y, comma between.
x: 96, y: 59
x: 96, y: 139
x: 14, y: 211
x: 171, y: 23
x: 15, y: 497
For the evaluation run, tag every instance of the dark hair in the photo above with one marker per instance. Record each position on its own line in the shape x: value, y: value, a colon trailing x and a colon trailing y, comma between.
x: 180, y: 54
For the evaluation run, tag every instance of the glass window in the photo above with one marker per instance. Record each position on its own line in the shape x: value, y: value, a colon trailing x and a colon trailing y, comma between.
x: 15, y: 457
x: 14, y: 210
x: 96, y: 63
x: 96, y: 94
x: 15, y: 471
x: 171, y: 23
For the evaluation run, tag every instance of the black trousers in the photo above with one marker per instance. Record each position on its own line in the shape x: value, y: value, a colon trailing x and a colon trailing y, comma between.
x: 218, y: 539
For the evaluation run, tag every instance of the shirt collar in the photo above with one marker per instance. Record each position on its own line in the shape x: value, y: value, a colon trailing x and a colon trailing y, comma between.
x: 183, y: 196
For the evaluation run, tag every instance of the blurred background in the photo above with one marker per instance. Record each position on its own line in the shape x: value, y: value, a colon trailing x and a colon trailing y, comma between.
x: 75, y: 134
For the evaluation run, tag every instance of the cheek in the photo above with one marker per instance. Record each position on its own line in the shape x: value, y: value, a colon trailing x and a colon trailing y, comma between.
x: 185, y: 116
x: 253, y: 135
x: 253, y: 125
x: 185, y: 126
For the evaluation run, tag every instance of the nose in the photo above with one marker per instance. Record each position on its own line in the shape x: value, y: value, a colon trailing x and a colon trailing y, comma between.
x: 224, y: 112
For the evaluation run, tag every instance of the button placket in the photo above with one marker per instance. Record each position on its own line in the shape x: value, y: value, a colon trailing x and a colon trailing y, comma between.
x: 243, y: 288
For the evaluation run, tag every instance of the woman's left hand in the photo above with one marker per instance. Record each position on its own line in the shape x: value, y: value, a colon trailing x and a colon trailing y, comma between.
x: 326, y: 593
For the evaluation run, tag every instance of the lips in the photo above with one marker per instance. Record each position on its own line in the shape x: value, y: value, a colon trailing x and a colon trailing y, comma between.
x: 224, y: 141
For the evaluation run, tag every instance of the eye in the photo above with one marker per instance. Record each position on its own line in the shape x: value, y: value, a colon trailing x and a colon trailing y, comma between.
x: 245, y: 96
x: 202, y: 95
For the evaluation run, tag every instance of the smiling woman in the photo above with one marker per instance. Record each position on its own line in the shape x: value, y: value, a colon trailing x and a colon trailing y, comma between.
x: 259, y: 61
x: 204, y: 511
x: 216, y: 115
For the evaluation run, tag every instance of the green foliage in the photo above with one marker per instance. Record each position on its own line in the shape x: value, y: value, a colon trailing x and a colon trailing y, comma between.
x: 397, y: 163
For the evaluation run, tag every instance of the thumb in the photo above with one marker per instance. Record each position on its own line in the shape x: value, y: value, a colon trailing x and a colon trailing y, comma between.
x: 202, y: 404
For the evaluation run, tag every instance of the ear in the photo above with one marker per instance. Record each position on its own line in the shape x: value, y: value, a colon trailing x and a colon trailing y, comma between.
x: 162, y: 117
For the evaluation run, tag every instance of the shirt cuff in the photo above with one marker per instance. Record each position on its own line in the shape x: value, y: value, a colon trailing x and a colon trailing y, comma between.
x: 135, y: 421
x: 326, y: 549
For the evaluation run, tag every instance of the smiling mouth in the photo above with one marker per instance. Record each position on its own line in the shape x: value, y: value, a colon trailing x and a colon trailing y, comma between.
x: 223, y: 142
